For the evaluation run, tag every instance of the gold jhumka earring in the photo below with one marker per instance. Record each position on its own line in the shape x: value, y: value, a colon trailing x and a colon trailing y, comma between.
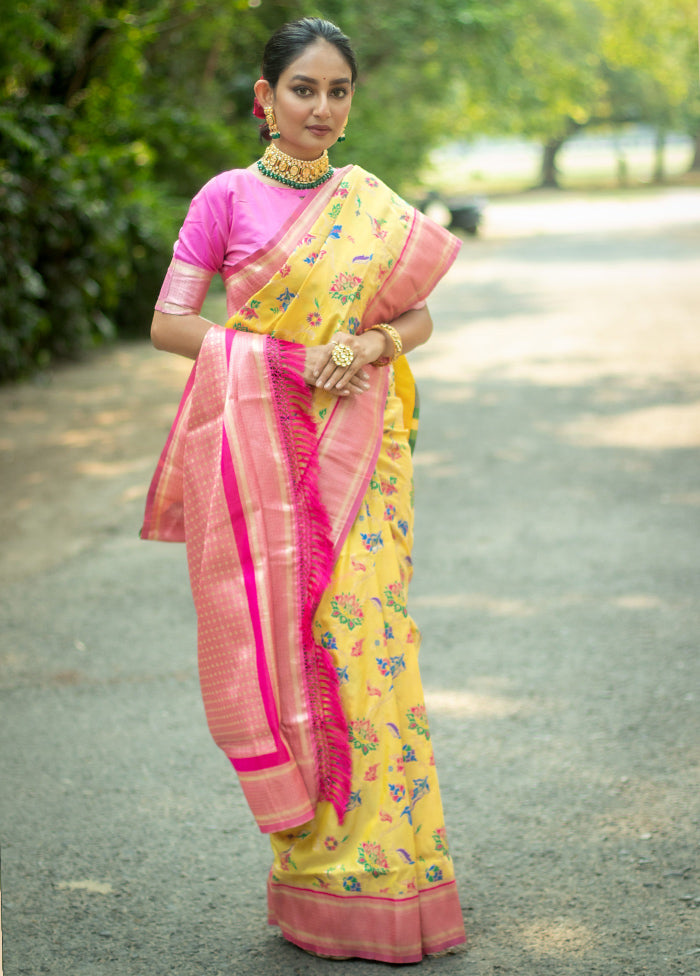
x: 271, y: 122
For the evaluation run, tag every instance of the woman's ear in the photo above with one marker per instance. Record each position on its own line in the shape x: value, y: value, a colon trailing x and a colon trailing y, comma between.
x: 263, y: 91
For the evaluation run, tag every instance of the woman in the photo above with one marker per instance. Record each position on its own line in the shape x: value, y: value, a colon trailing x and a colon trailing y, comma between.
x: 288, y: 474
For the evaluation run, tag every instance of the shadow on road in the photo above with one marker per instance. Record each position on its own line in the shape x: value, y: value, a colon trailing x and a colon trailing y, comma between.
x: 556, y: 587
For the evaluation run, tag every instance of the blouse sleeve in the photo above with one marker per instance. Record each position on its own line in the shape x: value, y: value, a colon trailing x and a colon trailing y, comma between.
x: 199, y: 250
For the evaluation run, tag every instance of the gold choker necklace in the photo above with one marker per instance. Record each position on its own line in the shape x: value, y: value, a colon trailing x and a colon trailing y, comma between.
x: 302, y: 174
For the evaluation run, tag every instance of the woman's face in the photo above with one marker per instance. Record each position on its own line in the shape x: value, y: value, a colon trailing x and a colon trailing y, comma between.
x: 312, y: 100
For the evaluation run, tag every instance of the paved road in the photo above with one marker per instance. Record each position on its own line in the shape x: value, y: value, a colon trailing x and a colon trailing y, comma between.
x: 556, y: 585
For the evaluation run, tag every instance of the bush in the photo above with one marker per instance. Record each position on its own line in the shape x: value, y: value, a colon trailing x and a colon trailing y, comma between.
x: 76, y: 230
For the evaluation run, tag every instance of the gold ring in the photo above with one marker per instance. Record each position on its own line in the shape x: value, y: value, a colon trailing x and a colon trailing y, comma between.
x: 342, y: 355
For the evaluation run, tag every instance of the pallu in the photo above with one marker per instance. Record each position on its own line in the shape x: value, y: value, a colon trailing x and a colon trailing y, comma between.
x: 297, y: 510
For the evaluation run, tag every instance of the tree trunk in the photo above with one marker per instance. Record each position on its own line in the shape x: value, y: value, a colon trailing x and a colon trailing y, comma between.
x: 659, y: 162
x: 695, y: 165
x: 622, y: 170
x: 549, y: 174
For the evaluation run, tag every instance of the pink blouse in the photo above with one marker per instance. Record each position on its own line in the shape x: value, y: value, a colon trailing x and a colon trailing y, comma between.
x: 230, y: 218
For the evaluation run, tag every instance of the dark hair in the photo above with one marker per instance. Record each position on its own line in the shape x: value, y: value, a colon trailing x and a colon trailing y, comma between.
x: 291, y: 40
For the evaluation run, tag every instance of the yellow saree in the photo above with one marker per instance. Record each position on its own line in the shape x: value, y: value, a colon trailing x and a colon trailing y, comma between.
x: 375, y: 880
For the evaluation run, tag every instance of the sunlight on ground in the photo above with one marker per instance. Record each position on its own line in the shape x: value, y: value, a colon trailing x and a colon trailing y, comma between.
x: 688, y: 498
x: 513, y: 607
x: 92, y: 887
x: 165, y: 370
x: 654, y: 428
x: 540, y: 350
x: 553, y: 348
x: 497, y: 607
x: 558, y: 937
x: 646, y: 809
x: 134, y: 493
x: 436, y: 465
x: 590, y: 214
x: 84, y: 437
x: 25, y: 415
x: 604, y: 312
x: 429, y: 459
x: 467, y: 704
x: 638, y: 601
x: 112, y: 469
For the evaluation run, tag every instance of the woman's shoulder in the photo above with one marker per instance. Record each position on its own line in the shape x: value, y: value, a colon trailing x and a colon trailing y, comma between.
x: 225, y: 183
x: 362, y: 176
x: 356, y: 172
x: 375, y: 192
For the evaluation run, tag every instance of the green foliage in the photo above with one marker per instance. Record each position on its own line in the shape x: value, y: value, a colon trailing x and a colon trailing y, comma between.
x: 71, y: 201
x: 410, y: 56
x: 650, y: 56
x: 114, y: 112
x: 45, y: 243
x: 564, y: 64
x: 90, y: 165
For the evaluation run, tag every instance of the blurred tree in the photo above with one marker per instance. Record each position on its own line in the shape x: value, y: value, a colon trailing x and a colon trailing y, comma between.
x: 69, y: 195
x: 649, y: 61
x: 567, y: 64
x: 411, y: 56
x: 114, y: 112
x: 545, y: 83
x: 110, y: 109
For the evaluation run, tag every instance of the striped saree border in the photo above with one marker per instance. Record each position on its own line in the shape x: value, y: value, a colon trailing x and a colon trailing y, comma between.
x: 163, y: 519
x: 274, y: 797
x: 261, y: 551
x: 233, y: 547
x: 366, y: 926
x: 246, y: 278
x: 270, y: 693
x: 428, y: 253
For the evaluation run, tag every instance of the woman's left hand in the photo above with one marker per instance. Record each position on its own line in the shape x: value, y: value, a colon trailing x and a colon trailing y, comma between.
x: 321, y: 371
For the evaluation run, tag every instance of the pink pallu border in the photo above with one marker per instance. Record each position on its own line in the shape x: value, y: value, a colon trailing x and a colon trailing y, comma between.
x: 236, y: 510
x: 261, y: 549
x: 164, y: 517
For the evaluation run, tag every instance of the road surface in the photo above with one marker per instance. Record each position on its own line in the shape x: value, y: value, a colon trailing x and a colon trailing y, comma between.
x: 556, y: 586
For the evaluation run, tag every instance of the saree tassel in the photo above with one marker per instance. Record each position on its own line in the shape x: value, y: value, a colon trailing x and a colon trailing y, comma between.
x: 330, y: 727
x: 335, y: 786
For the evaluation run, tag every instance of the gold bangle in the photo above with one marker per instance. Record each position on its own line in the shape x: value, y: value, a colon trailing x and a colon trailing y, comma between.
x: 398, y: 345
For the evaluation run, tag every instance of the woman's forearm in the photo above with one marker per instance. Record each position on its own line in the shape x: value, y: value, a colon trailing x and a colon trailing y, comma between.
x: 369, y: 347
x: 181, y: 334
x: 184, y: 334
x: 415, y: 327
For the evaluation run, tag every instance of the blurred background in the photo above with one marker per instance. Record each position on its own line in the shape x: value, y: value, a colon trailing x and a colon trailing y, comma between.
x: 114, y: 113
x: 556, y: 477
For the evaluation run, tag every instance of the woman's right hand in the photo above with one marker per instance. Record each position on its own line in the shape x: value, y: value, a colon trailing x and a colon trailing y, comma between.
x: 321, y: 371
x: 319, y: 367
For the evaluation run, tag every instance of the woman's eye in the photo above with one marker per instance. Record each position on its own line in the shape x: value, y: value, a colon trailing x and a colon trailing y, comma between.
x: 340, y: 92
x: 302, y: 90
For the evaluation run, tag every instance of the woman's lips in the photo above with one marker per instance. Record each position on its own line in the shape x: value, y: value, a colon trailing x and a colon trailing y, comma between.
x: 319, y: 130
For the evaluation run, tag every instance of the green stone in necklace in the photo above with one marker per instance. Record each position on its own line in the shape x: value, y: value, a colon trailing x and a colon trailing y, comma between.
x: 302, y: 174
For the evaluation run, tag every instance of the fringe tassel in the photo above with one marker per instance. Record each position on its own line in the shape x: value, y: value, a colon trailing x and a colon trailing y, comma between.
x: 293, y: 398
